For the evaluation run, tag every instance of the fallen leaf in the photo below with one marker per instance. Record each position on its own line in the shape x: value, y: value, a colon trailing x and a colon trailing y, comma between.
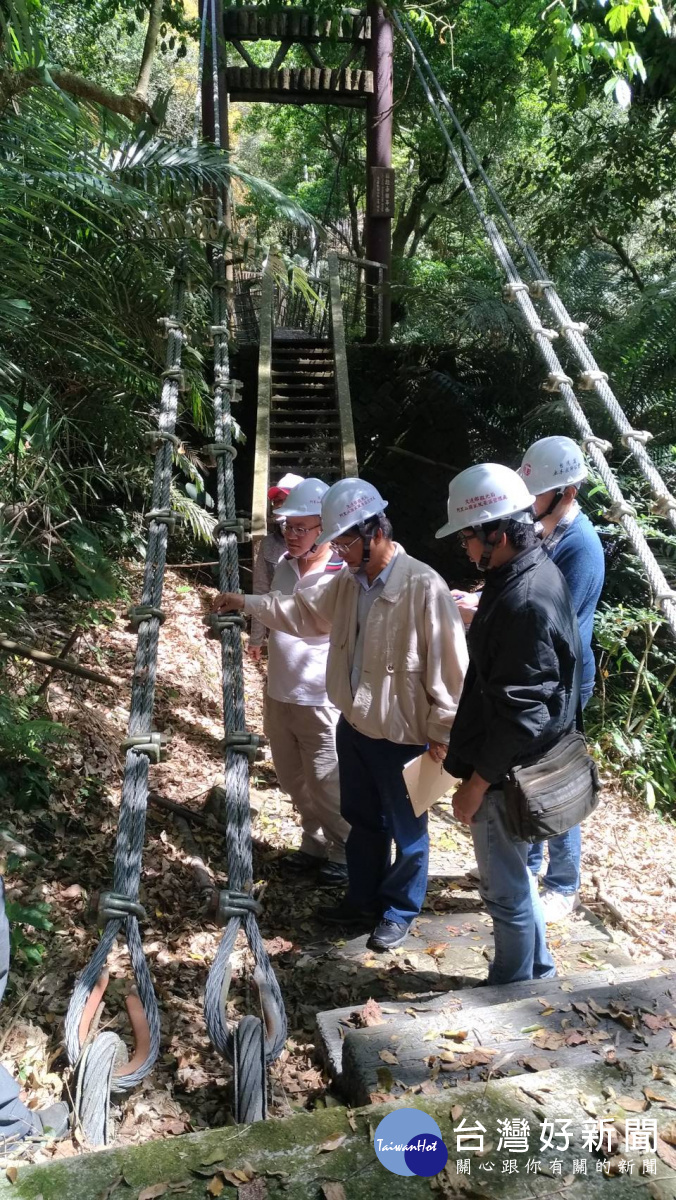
x: 653, y: 1096
x: 575, y: 1037
x: 437, y: 951
x: 333, y: 1191
x: 155, y: 1190
x: 665, y: 1152
x: 333, y: 1143
x: 447, y: 1055
x: 456, y: 1112
x: 456, y: 1035
x: 655, y: 1022
x: 388, y: 1057
x: 549, y: 1040
x: 370, y: 1015
x: 668, y: 1134
x: 657, y: 1072
x: 351, y: 1120
x: 598, y: 1009
x: 215, y: 1186
x: 567, y: 986
x: 536, y: 1062
x: 379, y: 1098
x: 12, y: 1174
x: 629, y: 1104
x: 112, y: 1187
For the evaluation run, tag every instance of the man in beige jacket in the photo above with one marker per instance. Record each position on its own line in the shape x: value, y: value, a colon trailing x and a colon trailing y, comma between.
x: 397, y: 659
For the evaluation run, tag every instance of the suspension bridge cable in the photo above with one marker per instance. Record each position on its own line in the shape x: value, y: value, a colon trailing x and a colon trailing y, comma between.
x: 592, y: 378
x: 518, y: 291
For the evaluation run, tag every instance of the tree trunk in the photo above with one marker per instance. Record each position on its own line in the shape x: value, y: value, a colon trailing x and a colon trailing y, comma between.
x: 149, y: 47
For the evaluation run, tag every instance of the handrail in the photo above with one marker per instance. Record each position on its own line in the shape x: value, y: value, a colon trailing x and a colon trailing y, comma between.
x: 348, y: 446
x: 259, y: 503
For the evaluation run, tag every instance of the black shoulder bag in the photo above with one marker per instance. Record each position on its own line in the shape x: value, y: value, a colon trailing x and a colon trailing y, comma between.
x: 554, y: 793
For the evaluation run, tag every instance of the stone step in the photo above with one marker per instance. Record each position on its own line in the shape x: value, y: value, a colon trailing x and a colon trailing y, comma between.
x: 329, y: 1152
x: 414, y: 1047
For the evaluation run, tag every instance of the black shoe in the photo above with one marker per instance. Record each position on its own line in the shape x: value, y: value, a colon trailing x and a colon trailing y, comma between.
x: 332, y: 874
x: 387, y: 935
x: 49, y: 1123
x: 344, y: 913
x: 302, y: 863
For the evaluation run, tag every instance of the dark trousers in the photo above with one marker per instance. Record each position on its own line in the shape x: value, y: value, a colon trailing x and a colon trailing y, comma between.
x: 375, y: 803
x: 15, y: 1119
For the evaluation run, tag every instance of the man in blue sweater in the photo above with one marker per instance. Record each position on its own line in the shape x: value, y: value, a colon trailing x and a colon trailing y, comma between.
x: 553, y: 469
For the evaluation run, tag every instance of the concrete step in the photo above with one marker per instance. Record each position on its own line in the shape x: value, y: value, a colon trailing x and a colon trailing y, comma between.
x: 579, y: 1019
x: 330, y: 1153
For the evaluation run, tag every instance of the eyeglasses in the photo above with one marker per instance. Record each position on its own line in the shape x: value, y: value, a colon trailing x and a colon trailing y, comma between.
x: 342, y: 549
x: 464, y: 538
x: 299, y: 530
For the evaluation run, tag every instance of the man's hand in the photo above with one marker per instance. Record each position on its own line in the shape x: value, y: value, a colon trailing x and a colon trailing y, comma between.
x: 468, y: 797
x: 437, y: 751
x: 255, y: 653
x: 226, y: 602
x: 467, y: 603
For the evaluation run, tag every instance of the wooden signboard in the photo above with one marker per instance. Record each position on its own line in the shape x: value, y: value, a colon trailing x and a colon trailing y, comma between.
x: 382, y: 191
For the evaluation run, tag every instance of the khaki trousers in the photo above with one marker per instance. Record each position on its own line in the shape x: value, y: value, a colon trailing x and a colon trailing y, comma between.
x: 303, y: 746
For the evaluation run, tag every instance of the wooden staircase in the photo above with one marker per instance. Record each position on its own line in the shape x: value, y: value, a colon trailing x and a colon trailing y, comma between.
x: 304, y: 420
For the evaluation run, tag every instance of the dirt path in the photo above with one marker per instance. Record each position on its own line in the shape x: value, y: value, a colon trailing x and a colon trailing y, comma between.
x: 630, y: 851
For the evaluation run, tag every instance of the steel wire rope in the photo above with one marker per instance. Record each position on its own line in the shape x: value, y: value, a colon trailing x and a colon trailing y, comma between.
x: 620, y: 511
x: 238, y: 907
x: 120, y: 908
x: 633, y: 440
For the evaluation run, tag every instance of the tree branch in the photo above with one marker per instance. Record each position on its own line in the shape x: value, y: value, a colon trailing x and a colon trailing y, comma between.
x: 149, y: 47
x: 16, y: 83
x: 621, y: 254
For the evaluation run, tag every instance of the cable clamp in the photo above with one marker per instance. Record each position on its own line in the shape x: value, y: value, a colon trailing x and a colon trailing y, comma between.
x: 243, y: 742
x: 637, y: 435
x: 580, y: 327
x: 216, y: 448
x: 175, y: 375
x: 236, y: 904
x: 664, y: 598
x: 169, y: 325
x: 618, y: 510
x: 239, y: 526
x: 144, y: 612
x: 151, y: 744
x: 236, y: 386
x: 510, y: 290
x: 537, y: 287
x: 154, y: 438
x: 220, y: 622
x: 218, y: 330
x: 587, y: 379
x: 664, y: 505
x: 161, y: 516
x: 600, y: 443
x: 115, y: 906
x: 555, y: 379
x: 542, y: 331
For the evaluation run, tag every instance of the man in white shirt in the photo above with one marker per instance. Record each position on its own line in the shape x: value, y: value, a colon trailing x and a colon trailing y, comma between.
x: 396, y: 662
x: 268, y: 553
x: 300, y: 721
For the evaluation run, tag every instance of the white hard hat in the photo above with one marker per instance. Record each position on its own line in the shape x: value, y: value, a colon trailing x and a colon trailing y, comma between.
x: 553, y: 462
x: 348, y: 503
x: 486, y: 492
x: 304, y: 500
x: 286, y: 483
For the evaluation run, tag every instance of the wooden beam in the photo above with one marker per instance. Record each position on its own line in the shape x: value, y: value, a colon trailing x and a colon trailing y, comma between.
x: 259, y: 503
x: 281, y: 55
x: 348, y: 446
x: 243, y: 51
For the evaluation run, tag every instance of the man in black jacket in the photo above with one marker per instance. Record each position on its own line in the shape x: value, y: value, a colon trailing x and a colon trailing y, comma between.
x: 520, y: 696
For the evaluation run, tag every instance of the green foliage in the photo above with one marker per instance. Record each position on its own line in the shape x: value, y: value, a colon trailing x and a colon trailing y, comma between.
x: 24, y: 946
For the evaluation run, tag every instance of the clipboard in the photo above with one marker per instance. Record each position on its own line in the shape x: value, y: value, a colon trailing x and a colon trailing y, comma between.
x: 426, y: 782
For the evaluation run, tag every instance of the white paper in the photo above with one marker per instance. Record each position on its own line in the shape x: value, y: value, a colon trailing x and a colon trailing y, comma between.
x: 426, y: 782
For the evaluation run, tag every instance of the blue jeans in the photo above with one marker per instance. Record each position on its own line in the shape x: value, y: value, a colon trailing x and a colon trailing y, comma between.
x: 510, y: 894
x: 16, y: 1120
x: 565, y: 851
x: 375, y: 803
